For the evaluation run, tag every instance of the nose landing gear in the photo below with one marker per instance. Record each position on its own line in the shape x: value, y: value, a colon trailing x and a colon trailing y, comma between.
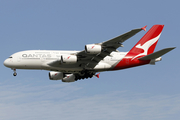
x: 15, y: 73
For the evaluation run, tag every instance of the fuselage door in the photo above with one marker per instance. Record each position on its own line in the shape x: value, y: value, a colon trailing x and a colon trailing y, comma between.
x: 19, y: 59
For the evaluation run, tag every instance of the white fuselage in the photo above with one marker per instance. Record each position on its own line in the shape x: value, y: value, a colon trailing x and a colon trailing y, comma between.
x: 40, y: 59
x: 70, y: 66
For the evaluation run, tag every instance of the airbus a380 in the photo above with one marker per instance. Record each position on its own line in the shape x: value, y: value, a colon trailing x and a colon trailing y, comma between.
x: 70, y: 66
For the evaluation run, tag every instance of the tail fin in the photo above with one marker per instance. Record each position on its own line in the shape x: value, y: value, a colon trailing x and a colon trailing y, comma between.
x: 147, y: 43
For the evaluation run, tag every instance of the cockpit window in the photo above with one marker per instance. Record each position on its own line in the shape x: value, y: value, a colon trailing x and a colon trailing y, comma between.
x: 10, y: 57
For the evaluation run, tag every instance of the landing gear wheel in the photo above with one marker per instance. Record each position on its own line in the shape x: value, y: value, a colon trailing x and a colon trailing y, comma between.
x: 15, y: 74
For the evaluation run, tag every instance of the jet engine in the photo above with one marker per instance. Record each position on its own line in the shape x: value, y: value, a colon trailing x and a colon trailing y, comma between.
x: 69, y: 78
x: 93, y: 48
x: 55, y: 75
x: 68, y: 59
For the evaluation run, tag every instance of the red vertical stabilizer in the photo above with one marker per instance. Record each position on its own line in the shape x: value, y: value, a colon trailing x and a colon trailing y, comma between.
x: 145, y: 46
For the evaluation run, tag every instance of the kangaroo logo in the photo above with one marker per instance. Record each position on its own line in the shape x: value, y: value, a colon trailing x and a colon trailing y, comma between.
x: 68, y: 57
x: 146, y: 46
x: 92, y: 47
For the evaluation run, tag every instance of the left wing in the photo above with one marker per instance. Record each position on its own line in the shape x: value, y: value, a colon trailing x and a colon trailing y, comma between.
x: 89, y: 61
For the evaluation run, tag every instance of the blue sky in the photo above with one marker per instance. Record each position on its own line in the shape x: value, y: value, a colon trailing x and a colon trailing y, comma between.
x: 148, y: 92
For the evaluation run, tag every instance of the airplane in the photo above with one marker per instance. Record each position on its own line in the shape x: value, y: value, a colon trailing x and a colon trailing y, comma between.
x: 70, y: 66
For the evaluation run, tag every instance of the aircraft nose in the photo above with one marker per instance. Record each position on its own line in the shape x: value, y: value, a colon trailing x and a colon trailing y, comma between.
x: 6, y: 63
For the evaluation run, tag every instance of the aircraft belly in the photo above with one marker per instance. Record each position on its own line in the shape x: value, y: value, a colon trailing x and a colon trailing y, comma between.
x: 62, y: 68
x: 29, y: 64
x: 102, y: 66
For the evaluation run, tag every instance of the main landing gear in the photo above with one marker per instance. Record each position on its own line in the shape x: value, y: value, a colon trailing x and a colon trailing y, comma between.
x: 86, y: 74
x: 15, y: 73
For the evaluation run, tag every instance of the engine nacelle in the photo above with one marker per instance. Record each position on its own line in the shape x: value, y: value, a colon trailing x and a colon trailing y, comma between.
x: 68, y: 59
x: 69, y: 78
x: 93, y: 48
x: 55, y: 75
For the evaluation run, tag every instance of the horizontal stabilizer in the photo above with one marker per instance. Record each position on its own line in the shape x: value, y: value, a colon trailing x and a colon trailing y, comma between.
x: 156, y: 54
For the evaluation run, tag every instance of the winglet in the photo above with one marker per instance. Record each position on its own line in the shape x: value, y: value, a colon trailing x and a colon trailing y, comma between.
x: 144, y: 28
x: 97, y: 75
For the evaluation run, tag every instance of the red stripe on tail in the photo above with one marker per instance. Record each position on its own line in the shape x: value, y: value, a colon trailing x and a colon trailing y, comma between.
x: 143, y: 47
